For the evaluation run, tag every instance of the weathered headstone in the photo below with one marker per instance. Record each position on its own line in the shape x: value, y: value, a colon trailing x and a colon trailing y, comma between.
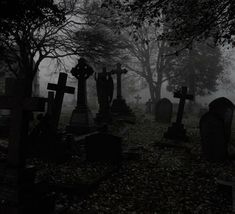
x: 137, y: 98
x: 81, y: 121
x: 163, y: 111
x: 177, y: 131
x: 149, y: 105
x: 104, y: 86
x: 60, y: 89
x: 215, y: 129
x: 18, y: 192
x: 119, y: 105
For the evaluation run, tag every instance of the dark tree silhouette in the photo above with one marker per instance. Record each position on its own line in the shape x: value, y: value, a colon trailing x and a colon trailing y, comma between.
x: 188, y: 20
x: 200, y: 70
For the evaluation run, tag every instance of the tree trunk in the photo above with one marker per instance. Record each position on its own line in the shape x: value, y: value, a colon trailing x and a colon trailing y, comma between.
x: 158, y: 89
x: 151, y: 89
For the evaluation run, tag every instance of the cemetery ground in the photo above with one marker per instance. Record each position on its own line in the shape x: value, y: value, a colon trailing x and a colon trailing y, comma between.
x: 156, y: 177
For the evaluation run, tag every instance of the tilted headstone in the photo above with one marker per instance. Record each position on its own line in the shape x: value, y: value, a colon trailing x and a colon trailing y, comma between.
x: 215, y: 129
x: 177, y: 131
x: 81, y: 121
x: 104, y: 87
x: 60, y: 89
x: 163, y: 111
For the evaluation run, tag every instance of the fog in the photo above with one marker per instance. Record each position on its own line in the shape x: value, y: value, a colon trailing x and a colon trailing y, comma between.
x: 48, y: 72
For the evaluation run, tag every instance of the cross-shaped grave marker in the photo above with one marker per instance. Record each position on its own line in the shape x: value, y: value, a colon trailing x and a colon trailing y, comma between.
x: 138, y: 98
x: 15, y: 177
x: 19, y: 104
x: 177, y: 131
x: 50, y: 101
x: 119, y: 106
x: 183, y: 97
x: 60, y: 89
x: 119, y: 71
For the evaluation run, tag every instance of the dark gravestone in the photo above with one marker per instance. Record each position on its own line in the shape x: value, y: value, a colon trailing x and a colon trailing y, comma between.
x: 81, y: 121
x: 119, y: 105
x: 215, y: 129
x: 163, y: 111
x: 103, y: 147
x: 60, y: 89
x: 177, y: 131
x: 104, y: 87
x: 148, y: 106
x: 50, y: 103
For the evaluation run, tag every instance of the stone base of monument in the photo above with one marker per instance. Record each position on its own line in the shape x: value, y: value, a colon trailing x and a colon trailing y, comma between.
x: 122, y: 111
x: 102, y: 117
x: 81, y: 121
x: 119, y: 106
x: 176, y: 132
x: 23, y: 196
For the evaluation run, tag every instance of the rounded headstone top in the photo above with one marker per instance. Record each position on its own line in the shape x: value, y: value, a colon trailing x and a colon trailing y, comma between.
x: 221, y: 104
x: 221, y: 101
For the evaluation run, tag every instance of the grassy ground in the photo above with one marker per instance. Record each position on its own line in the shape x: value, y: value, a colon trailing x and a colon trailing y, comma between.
x: 164, y: 179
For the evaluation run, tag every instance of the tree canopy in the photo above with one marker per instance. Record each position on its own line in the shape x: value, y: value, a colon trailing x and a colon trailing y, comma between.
x: 187, y: 20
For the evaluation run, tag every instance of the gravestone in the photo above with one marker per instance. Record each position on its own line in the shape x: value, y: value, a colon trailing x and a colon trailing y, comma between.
x: 177, y: 131
x: 18, y: 192
x: 81, y: 121
x: 137, y: 98
x: 103, y: 147
x: 104, y: 87
x: 163, y: 111
x: 60, y: 89
x: 215, y: 129
x: 119, y: 105
x: 149, y: 105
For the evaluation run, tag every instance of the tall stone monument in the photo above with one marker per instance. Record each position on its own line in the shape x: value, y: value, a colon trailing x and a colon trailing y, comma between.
x: 119, y: 105
x: 177, y: 130
x: 104, y: 87
x: 81, y: 121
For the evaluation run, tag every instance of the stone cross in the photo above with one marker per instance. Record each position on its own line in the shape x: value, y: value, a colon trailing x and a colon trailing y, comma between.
x: 81, y: 120
x: 60, y: 89
x: 177, y: 131
x: 138, y: 98
x: 50, y: 101
x: 18, y: 104
x: 183, y: 97
x: 82, y: 71
x: 119, y: 71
